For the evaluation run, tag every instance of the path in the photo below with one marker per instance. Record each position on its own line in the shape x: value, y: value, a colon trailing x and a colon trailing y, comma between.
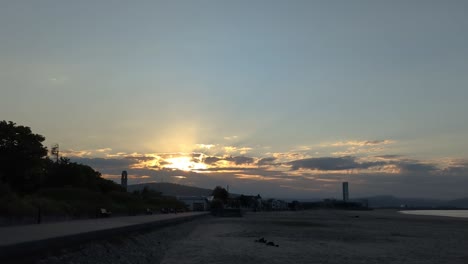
x: 34, y: 238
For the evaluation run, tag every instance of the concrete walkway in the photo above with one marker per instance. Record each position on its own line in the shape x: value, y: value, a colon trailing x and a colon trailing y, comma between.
x: 34, y: 238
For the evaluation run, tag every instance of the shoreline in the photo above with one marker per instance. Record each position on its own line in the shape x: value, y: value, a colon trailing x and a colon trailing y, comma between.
x: 460, y: 213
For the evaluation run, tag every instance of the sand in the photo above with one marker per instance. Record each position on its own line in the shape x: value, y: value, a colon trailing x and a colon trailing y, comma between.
x: 325, y: 237
x: 322, y: 236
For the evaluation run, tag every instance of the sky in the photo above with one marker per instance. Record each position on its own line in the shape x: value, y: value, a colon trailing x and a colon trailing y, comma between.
x: 285, y: 99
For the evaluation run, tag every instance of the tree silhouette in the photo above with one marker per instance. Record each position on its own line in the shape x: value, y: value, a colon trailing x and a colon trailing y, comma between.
x: 220, y: 193
x: 22, y: 157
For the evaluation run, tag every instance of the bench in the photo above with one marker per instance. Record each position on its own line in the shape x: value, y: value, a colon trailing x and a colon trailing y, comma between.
x: 104, y: 213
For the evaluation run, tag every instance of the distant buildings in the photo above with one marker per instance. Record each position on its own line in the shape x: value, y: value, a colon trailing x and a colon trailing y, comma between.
x: 123, y: 180
x: 278, y: 204
x: 345, y: 192
x: 196, y: 203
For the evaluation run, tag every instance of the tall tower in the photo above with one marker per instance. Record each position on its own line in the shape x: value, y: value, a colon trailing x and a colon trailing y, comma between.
x: 345, y: 192
x: 123, y: 180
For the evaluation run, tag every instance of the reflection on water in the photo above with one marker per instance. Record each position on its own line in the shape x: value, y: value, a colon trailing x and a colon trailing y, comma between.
x: 451, y: 213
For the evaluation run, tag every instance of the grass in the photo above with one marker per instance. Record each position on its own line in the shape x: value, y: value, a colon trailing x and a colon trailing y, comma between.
x: 74, y: 203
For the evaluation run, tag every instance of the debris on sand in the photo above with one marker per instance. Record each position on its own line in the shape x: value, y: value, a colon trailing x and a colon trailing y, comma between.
x: 263, y: 240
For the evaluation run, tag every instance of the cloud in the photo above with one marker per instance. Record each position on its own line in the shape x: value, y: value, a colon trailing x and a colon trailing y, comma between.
x: 140, y: 158
x: 358, y: 150
x: 77, y: 153
x: 266, y: 161
x: 162, y: 163
x: 362, y: 143
x: 116, y: 155
x: 104, y: 150
x: 86, y: 152
x: 205, y: 146
x: 332, y: 164
x: 295, y: 175
x: 106, y: 166
x: 389, y: 156
x: 197, y: 157
x: 411, y: 166
x: 216, y: 169
x: 230, y: 138
x: 256, y: 177
x: 456, y: 167
x: 288, y: 156
x: 240, y: 160
x: 211, y: 160
x: 456, y: 170
x: 241, y: 150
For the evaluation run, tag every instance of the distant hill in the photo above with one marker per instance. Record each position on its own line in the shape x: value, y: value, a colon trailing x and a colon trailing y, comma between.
x: 462, y: 203
x: 171, y: 189
x: 391, y: 201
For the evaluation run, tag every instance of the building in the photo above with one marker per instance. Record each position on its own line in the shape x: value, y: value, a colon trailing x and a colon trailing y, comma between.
x: 196, y: 203
x: 123, y: 180
x: 345, y: 192
x: 279, y: 205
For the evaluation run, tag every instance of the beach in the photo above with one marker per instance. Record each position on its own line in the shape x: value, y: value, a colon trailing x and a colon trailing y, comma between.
x: 316, y: 236
x: 380, y: 236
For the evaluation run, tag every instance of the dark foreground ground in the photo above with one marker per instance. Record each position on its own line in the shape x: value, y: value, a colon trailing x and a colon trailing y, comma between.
x: 379, y: 236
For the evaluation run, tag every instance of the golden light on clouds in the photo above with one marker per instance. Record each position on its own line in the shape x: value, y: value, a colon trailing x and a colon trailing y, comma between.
x: 183, y: 163
x: 254, y: 177
x: 242, y: 150
x: 205, y: 146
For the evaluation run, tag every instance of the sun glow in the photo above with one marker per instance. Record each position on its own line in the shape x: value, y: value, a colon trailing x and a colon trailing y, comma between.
x: 184, y: 163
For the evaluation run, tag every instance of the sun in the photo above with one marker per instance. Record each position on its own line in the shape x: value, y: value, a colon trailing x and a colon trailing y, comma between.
x: 184, y: 163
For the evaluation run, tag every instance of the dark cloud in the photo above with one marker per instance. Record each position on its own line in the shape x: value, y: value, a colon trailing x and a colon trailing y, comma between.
x: 240, y: 160
x: 459, y: 167
x: 415, y: 167
x: 211, y: 160
x: 266, y: 161
x: 456, y: 170
x: 196, y: 157
x: 140, y: 158
x: 104, y: 163
x: 110, y: 166
x: 350, y: 163
x: 331, y: 163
